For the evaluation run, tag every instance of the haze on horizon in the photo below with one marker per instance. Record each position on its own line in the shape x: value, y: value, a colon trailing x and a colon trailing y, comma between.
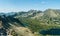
x: 25, y: 5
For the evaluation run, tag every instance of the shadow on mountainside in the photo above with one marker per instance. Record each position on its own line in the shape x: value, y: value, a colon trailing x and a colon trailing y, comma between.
x: 5, y: 23
x: 53, y: 31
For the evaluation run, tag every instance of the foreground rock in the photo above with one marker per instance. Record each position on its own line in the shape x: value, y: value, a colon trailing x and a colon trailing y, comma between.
x: 21, y: 31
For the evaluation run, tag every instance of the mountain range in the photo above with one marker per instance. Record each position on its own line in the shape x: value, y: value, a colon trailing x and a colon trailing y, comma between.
x: 35, y: 20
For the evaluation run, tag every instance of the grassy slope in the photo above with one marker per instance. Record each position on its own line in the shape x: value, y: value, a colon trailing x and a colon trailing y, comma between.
x: 36, y: 25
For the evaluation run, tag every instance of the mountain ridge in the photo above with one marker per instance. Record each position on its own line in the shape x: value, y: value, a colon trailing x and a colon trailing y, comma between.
x: 34, y: 20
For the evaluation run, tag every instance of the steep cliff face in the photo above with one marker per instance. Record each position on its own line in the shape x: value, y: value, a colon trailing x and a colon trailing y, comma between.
x: 13, y: 27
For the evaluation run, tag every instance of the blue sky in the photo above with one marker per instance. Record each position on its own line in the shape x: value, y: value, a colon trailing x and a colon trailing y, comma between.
x: 25, y: 5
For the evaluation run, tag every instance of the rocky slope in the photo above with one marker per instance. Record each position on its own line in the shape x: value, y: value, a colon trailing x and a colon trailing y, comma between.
x: 42, y: 20
x: 29, y: 23
x: 12, y: 26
